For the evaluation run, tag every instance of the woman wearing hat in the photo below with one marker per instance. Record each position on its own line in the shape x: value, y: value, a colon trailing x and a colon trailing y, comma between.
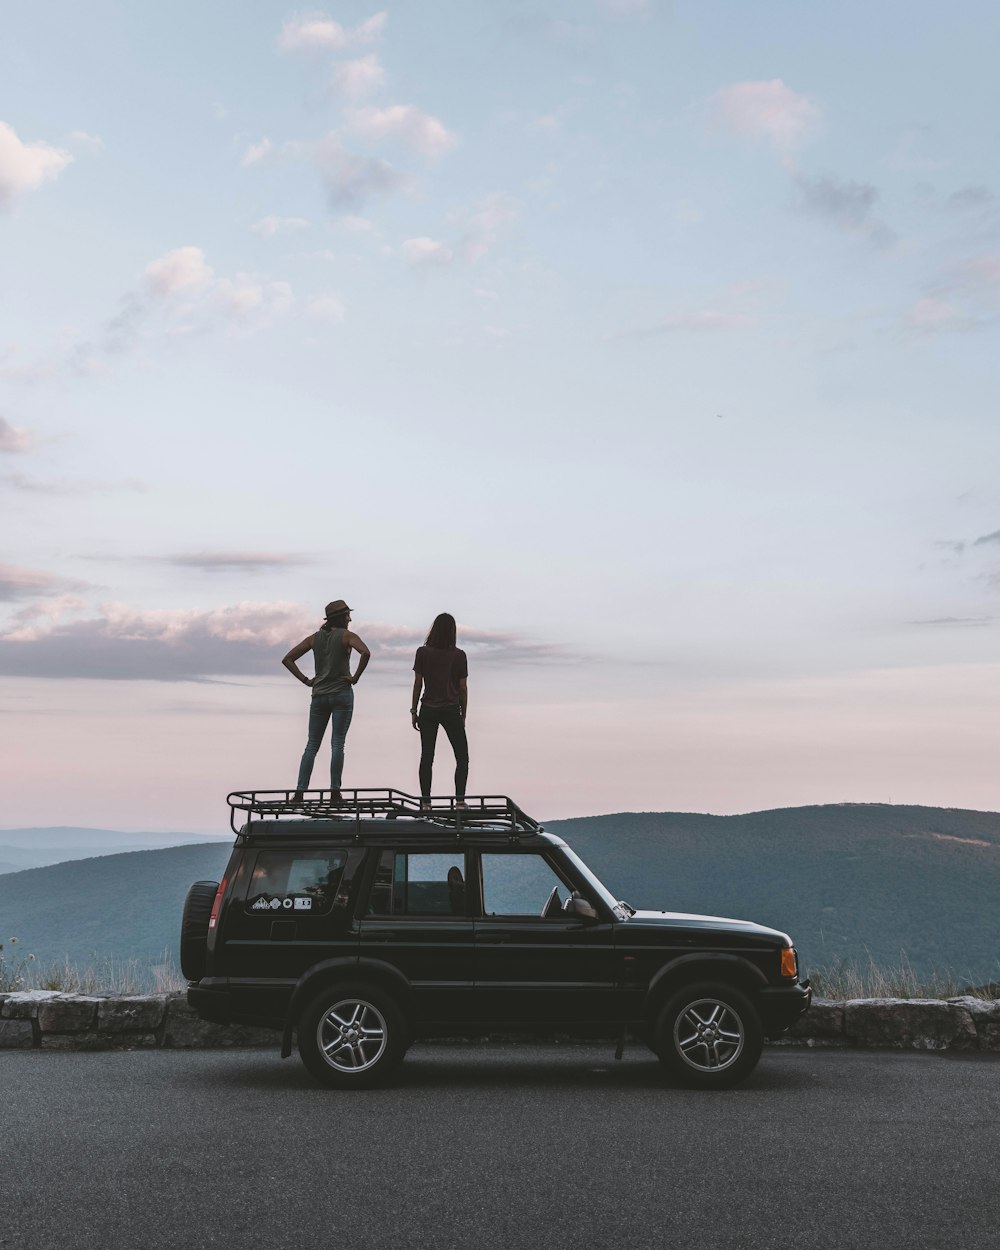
x: 441, y: 669
x: 332, y: 688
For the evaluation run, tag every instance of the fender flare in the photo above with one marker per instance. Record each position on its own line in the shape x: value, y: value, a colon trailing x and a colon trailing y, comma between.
x: 340, y: 969
x: 680, y: 969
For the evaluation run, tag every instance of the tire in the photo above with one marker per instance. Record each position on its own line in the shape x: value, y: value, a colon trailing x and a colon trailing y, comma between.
x: 352, y: 1036
x: 709, y: 1035
x: 194, y: 928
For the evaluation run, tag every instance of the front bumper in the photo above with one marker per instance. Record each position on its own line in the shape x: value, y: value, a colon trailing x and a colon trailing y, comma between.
x: 781, y: 1005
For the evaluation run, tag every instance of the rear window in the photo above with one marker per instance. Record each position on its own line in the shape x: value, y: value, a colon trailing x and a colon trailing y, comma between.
x: 295, y: 882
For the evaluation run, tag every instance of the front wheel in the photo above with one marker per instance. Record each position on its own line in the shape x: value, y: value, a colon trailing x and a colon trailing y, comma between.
x: 709, y: 1035
x: 352, y: 1036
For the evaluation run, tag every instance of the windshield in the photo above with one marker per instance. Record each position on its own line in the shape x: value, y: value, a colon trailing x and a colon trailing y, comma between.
x: 598, y: 888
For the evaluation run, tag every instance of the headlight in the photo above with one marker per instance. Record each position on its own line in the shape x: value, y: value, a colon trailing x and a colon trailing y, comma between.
x: 789, y: 962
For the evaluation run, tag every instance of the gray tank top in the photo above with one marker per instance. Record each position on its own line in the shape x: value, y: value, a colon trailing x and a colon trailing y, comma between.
x: 333, y: 661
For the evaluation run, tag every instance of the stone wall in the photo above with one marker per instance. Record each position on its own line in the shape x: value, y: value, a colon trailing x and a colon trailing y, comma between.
x: 51, y: 1020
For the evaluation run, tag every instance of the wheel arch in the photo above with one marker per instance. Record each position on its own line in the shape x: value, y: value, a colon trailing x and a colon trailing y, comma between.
x: 705, y: 966
x: 345, y: 968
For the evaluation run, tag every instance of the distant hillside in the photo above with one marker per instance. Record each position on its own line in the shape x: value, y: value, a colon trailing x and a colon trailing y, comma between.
x: 122, y: 906
x: 35, y: 848
x: 843, y: 880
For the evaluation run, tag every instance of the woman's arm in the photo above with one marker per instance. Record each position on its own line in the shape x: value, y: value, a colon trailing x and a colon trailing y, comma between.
x: 354, y: 643
x: 463, y: 696
x: 418, y: 681
x: 297, y: 653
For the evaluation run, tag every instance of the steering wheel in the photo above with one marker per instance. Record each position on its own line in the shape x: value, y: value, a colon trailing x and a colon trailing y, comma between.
x: 552, y: 905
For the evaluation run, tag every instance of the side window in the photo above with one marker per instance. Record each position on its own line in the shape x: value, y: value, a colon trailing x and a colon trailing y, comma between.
x: 408, y: 883
x: 295, y: 882
x: 520, y: 885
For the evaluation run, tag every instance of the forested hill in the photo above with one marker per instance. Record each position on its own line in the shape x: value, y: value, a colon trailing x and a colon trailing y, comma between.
x: 843, y: 880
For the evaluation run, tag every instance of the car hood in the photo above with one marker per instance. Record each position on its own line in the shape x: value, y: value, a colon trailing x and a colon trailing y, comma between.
x: 688, y: 920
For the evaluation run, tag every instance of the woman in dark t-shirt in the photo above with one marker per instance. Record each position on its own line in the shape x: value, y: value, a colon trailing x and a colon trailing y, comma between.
x: 442, y: 669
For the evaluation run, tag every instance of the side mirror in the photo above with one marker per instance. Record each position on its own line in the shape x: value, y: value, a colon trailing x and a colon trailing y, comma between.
x: 577, y: 905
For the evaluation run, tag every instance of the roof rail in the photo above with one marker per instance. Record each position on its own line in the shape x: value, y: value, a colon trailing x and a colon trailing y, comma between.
x: 447, y: 810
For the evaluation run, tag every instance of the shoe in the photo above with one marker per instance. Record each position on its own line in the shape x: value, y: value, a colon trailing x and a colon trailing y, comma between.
x: 297, y: 796
x: 462, y: 806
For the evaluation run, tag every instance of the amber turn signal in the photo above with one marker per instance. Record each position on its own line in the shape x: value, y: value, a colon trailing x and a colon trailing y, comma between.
x: 789, y: 964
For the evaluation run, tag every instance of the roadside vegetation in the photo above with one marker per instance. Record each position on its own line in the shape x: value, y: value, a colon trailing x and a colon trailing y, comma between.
x: 103, y: 976
x: 871, y: 979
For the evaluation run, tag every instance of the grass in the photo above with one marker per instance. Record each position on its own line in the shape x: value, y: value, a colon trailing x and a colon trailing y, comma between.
x: 869, y: 979
x: 104, y: 976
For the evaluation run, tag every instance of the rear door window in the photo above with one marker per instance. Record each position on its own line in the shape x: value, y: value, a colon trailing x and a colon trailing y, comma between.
x: 295, y: 883
x: 409, y: 883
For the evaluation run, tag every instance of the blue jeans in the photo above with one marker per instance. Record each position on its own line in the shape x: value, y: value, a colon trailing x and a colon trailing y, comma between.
x: 337, y: 708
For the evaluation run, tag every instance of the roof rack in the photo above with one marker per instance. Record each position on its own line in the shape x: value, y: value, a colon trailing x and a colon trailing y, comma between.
x: 480, y: 810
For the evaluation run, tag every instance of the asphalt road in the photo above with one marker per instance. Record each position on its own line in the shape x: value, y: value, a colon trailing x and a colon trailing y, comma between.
x: 498, y: 1146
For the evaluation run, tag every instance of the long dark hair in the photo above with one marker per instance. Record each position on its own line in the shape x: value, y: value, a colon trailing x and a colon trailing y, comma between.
x: 443, y: 631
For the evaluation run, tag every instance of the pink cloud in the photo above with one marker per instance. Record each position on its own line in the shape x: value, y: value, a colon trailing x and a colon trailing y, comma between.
x: 766, y: 110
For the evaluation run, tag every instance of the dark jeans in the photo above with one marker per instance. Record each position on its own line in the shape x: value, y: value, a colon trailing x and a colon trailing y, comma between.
x: 454, y: 727
x: 338, y: 707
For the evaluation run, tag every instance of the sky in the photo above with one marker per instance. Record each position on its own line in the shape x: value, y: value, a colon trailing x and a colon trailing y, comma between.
x: 654, y: 341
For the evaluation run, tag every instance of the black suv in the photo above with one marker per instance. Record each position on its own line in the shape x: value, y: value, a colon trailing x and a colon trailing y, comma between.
x: 363, y: 924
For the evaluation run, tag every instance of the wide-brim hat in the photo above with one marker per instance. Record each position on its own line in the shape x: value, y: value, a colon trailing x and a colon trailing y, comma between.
x: 337, y: 607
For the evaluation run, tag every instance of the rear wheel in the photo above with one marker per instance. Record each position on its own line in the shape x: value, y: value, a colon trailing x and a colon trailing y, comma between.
x: 352, y: 1036
x: 194, y: 928
x: 709, y: 1035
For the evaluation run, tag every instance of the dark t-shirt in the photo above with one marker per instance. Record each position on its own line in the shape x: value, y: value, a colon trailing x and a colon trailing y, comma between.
x: 442, y: 668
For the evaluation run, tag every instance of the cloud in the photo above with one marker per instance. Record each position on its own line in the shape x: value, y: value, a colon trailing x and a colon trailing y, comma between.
x: 19, y: 583
x: 980, y: 273
x: 955, y: 620
x: 847, y: 205
x: 317, y: 33
x: 932, y: 313
x: 233, y: 561
x: 965, y: 298
x: 971, y: 198
x: 244, y: 640
x: 91, y: 143
x: 325, y: 308
x: 357, y: 79
x: 257, y: 152
x: 402, y: 123
x: 268, y: 227
x: 13, y: 439
x: 352, y: 179
x: 25, y: 166
x: 478, y: 233
x: 183, y: 269
x: 425, y: 252
x: 246, y: 299
x: 766, y: 110
x: 994, y: 537
x: 484, y: 226
x: 124, y: 643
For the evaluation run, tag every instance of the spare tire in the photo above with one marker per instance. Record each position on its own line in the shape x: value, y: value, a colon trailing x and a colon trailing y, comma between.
x: 194, y: 928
